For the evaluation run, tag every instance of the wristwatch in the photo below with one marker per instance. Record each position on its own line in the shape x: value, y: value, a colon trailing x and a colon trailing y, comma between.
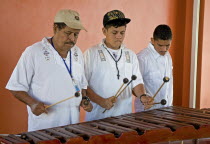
x: 87, y: 100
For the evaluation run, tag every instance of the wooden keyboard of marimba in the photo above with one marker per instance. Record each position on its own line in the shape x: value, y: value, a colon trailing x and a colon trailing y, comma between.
x: 159, y: 125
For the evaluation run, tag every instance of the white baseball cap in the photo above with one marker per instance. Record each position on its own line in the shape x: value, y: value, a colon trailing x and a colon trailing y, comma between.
x: 70, y: 18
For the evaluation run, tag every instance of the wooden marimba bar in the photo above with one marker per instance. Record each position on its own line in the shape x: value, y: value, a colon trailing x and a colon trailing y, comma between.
x: 159, y: 125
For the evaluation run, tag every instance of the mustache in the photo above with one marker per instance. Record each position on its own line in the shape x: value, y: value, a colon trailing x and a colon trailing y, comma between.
x: 72, y: 43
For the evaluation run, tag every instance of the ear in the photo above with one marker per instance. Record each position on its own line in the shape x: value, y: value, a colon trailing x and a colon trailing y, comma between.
x: 152, y: 41
x: 55, y: 28
x: 104, y: 30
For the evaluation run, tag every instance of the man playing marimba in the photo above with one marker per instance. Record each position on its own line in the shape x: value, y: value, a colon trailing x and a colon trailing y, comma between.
x: 49, y: 71
x: 155, y: 63
x: 106, y: 65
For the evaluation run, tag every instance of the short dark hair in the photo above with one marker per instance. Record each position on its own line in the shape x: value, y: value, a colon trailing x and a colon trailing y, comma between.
x: 60, y: 25
x: 116, y: 24
x: 162, y: 32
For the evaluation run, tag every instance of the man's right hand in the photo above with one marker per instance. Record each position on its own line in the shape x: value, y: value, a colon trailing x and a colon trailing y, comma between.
x: 147, y: 101
x: 38, y: 108
x: 108, y: 102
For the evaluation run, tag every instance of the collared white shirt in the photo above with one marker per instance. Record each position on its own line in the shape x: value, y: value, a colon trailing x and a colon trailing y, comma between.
x: 154, y: 67
x: 101, y: 74
x: 42, y: 73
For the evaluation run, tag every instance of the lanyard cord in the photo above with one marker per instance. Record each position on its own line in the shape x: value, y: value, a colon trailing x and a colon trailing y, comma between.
x: 118, y: 72
x: 69, y: 69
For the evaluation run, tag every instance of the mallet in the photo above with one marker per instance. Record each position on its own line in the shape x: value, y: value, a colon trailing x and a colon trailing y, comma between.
x: 125, y: 80
x: 77, y: 94
x: 162, y: 102
x: 165, y: 79
x: 133, y: 77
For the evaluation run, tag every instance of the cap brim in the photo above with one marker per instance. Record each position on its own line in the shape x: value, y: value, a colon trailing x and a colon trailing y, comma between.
x: 127, y: 20
x: 75, y: 26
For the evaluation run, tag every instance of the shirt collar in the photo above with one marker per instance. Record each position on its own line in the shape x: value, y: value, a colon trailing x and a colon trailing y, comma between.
x: 48, y: 45
x: 154, y: 52
x: 103, y: 45
x: 46, y: 42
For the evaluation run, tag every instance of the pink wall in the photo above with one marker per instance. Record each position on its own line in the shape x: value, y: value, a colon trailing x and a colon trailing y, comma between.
x: 24, y: 22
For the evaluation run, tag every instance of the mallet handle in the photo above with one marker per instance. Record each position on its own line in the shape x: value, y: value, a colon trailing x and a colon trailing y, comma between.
x: 119, y: 90
x: 116, y: 94
x: 59, y: 102
x: 123, y: 89
x: 158, y: 90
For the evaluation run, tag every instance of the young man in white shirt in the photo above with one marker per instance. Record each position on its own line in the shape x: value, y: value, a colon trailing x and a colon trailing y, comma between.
x: 50, y: 71
x: 155, y: 63
x: 106, y: 65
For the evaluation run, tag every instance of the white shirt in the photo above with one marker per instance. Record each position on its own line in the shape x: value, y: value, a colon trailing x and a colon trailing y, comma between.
x: 101, y: 74
x: 154, y: 67
x: 41, y: 73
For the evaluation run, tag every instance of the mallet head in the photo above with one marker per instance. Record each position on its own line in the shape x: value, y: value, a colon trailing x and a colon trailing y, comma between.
x: 133, y: 77
x: 23, y: 136
x: 166, y: 79
x: 77, y: 94
x: 125, y: 80
x: 163, y: 102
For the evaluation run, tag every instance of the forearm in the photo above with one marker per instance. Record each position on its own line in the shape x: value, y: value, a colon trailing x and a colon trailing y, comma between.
x: 24, y: 97
x: 37, y: 107
x: 139, y: 90
x: 84, y: 92
x: 94, y: 97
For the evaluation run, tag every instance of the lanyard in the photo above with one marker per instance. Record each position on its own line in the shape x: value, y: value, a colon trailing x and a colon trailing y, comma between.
x: 69, y: 69
x: 116, y: 61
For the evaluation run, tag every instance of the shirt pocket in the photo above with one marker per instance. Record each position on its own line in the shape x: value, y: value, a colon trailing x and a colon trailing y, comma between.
x: 152, y: 75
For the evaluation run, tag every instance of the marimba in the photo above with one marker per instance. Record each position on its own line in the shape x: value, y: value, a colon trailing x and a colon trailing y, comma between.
x: 153, y: 126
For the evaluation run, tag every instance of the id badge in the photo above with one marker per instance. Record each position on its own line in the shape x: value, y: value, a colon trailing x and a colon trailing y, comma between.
x: 75, y: 85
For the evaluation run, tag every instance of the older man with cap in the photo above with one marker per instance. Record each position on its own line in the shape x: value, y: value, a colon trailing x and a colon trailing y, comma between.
x: 106, y: 65
x: 52, y: 70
